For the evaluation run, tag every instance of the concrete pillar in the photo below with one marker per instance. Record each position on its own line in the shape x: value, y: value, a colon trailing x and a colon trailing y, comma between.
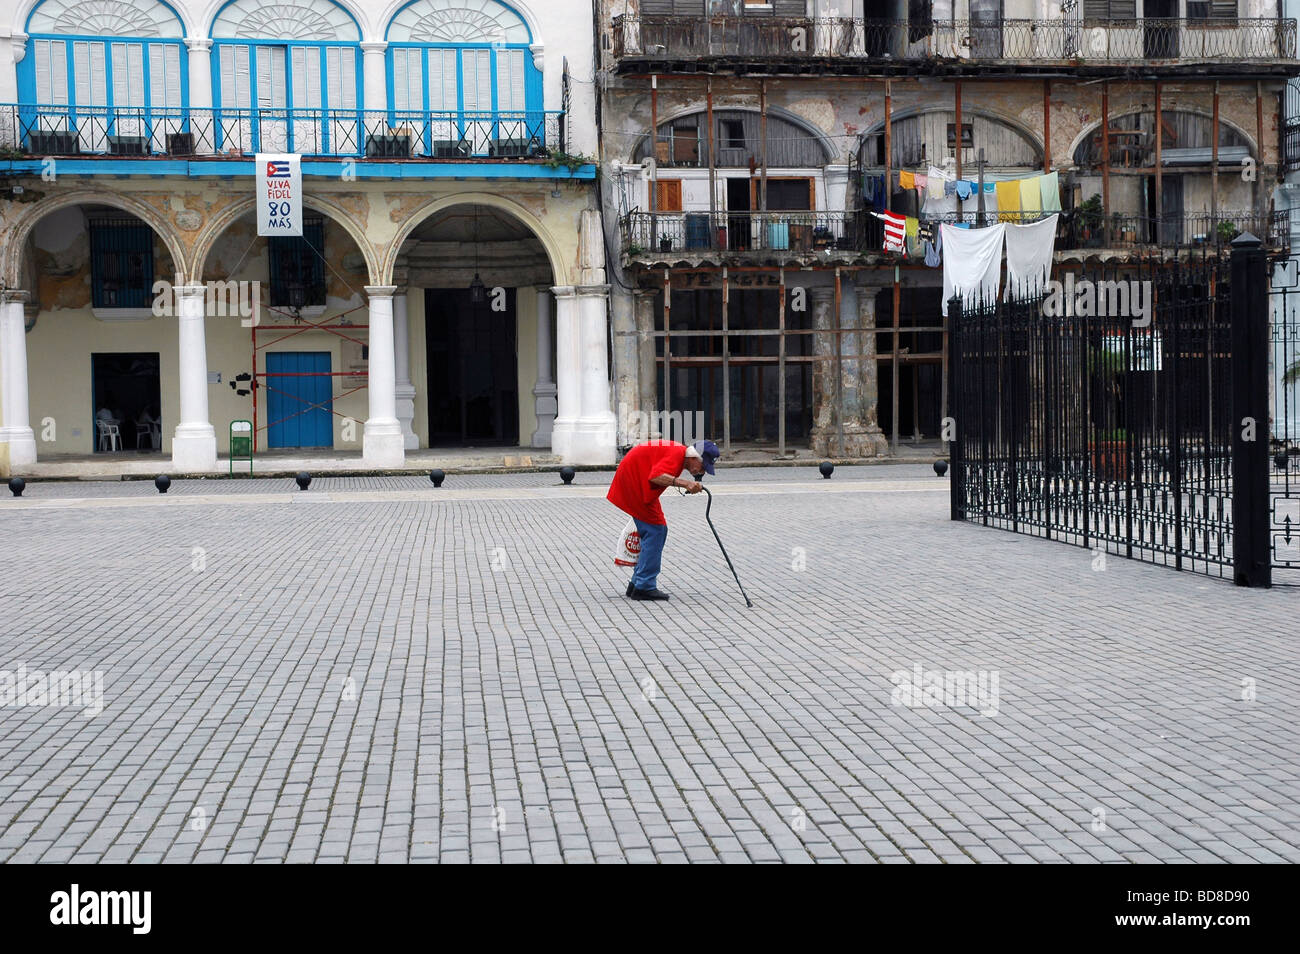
x: 374, y: 79
x: 404, y: 390
x: 627, y: 364
x: 647, y: 367
x: 15, y: 426
x: 568, y: 381
x: 823, y: 436
x: 862, y: 434
x: 544, y: 396
x: 597, y: 432
x: 382, y: 444
x: 200, y: 58
x: 194, y: 445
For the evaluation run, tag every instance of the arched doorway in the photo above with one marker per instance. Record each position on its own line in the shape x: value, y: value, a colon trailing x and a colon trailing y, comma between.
x: 482, y: 281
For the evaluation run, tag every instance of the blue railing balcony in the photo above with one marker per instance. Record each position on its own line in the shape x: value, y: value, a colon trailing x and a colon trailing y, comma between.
x: 53, y: 130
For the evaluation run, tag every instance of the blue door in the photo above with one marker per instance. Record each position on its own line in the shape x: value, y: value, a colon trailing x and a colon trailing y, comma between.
x: 299, y: 409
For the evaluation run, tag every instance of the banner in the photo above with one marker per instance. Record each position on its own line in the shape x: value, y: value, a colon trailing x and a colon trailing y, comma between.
x: 279, y: 194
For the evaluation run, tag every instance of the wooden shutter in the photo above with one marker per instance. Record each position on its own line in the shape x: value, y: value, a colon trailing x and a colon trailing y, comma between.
x: 306, y: 78
x: 1223, y: 9
x: 235, y: 92
x: 341, y: 77
x: 271, y: 78
x: 406, y: 79
x: 442, y: 80
x: 51, y: 72
x: 510, y: 80
x: 478, y: 80
x: 90, y: 73
x: 128, y: 74
x: 1109, y: 9
x: 164, y: 76
x: 669, y: 195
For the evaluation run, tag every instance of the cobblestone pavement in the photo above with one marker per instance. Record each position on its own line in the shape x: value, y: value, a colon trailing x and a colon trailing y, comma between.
x: 377, y: 673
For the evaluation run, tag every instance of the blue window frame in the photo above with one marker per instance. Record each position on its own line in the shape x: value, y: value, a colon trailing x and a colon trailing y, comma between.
x: 462, y: 81
x: 275, y: 94
x: 122, y: 91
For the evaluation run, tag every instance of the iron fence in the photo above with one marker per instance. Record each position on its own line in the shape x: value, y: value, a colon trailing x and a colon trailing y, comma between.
x: 739, y: 231
x: 1284, y: 382
x: 344, y: 133
x: 1137, y: 41
x: 1121, y: 421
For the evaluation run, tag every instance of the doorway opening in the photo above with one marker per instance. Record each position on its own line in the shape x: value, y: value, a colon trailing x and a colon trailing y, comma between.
x: 126, y: 402
x: 473, y: 384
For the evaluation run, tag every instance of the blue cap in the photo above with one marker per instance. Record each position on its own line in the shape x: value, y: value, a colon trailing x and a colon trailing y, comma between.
x: 708, y: 452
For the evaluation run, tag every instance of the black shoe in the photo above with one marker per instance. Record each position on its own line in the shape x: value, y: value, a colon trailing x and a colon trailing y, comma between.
x: 630, y: 590
x: 650, y: 595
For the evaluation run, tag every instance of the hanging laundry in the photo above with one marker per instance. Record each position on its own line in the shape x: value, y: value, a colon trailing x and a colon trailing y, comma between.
x: 933, y: 248
x: 1031, y: 198
x: 972, y: 261
x: 1029, y: 256
x: 950, y: 187
x: 964, y: 188
x: 1008, y: 194
x: 895, y: 230
x: 873, y: 191
x: 1050, y: 192
x: 990, y: 188
x: 935, y: 208
x: 905, y: 202
x: 936, y: 182
x: 906, y: 180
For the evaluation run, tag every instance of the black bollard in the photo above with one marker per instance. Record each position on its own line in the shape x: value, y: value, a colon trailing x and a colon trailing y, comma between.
x: 827, y: 468
x: 162, y: 482
x: 940, y: 468
x: 16, y: 486
x: 437, y: 477
x: 567, y: 474
x: 303, y: 479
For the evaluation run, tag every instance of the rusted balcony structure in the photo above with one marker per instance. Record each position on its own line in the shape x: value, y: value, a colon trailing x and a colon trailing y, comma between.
x: 807, y: 45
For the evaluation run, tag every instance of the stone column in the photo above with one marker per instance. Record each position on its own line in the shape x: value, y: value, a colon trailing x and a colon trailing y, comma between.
x: 15, y: 426
x: 823, y: 436
x: 862, y: 434
x: 374, y: 79
x: 404, y: 390
x: 568, y: 381
x: 200, y: 59
x: 597, y: 432
x: 194, y: 445
x: 544, y: 398
x: 382, y: 444
x: 647, y: 366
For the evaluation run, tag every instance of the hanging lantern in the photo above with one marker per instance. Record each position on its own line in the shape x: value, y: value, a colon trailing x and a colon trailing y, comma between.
x: 477, y: 291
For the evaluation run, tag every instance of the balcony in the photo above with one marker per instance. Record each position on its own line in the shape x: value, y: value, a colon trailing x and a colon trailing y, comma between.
x: 809, y: 237
x: 764, y: 235
x: 40, y: 131
x: 856, y: 46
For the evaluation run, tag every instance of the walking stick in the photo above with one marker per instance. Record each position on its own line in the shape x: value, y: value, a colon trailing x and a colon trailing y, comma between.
x: 707, y: 507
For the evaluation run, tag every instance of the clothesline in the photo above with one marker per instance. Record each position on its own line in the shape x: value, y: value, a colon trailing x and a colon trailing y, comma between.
x: 1011, y: 199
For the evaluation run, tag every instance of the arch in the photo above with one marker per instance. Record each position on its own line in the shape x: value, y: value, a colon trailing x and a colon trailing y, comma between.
x: 16, y: 245
x: 1031, y: 138
x: 803, y: 125
x: 306, y: 20
x: 522, y: 10
x: 214, y: 229
x: 457, y: 21
x: 1087, y: 131
x: 149, y: 19
x: 559, y: 273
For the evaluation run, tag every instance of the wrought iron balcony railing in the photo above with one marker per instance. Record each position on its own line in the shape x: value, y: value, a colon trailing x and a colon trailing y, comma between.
x: 652, y: 234
x: 44, y: 130
x: 794, y: 40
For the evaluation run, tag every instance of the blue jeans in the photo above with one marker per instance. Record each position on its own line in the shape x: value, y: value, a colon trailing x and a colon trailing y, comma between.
x: 653, y: 537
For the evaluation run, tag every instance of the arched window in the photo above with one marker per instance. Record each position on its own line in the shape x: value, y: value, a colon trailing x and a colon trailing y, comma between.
x: 287, y: 77
x: 461, y: 72
x: 103, y: 76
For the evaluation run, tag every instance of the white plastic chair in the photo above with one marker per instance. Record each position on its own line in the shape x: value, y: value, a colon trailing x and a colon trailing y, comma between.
x: 144, y: 431
x: 110, y: 435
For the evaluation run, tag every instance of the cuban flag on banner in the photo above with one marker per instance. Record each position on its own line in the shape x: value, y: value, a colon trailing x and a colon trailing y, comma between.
x: 279, y: 194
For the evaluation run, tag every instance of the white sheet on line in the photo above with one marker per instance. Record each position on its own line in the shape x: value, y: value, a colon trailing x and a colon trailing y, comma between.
x: 1029, y: 255
x: 972, y: 261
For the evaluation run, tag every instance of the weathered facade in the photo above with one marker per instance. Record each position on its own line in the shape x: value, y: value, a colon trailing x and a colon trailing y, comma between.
x: 753, y: 284
x: 449, y: 288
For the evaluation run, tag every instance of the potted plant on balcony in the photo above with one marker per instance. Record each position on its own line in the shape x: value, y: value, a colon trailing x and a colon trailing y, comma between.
x: 1091, y: 218
x: 1225, y: 232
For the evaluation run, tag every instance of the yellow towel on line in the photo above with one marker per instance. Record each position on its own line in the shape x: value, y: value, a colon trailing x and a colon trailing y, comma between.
x: 1008, y: 194
x: 1031, y: 197
x: 906, y: 180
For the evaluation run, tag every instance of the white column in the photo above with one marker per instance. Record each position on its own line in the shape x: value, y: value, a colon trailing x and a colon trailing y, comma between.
x: 596, y: 434
x: 194, y: 445
x: 382, y: 445
x: 404, y: 389
x: 374, y: 75
x: 200, y: 58
x: 568, y: 374
x: 544, y: 403
x: 16, y: 429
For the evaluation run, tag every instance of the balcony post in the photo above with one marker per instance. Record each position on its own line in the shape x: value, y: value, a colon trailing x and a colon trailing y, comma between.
x: 404, y: 390
x: 544, y: 401
x: 375, y: 89
x: 568, y: 383
x: 16, y: 430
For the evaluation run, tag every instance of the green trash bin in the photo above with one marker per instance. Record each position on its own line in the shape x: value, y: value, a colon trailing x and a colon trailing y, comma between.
x: 241, y: 444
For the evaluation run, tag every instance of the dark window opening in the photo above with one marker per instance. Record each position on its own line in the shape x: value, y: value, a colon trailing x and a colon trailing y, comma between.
x: 298, y: 267
x: 121, y: 263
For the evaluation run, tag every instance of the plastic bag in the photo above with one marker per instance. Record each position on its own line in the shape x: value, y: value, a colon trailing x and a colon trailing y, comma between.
x: 628, y: 549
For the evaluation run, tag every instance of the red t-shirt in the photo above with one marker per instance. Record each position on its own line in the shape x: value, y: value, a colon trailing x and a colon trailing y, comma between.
x: 631, y: 490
